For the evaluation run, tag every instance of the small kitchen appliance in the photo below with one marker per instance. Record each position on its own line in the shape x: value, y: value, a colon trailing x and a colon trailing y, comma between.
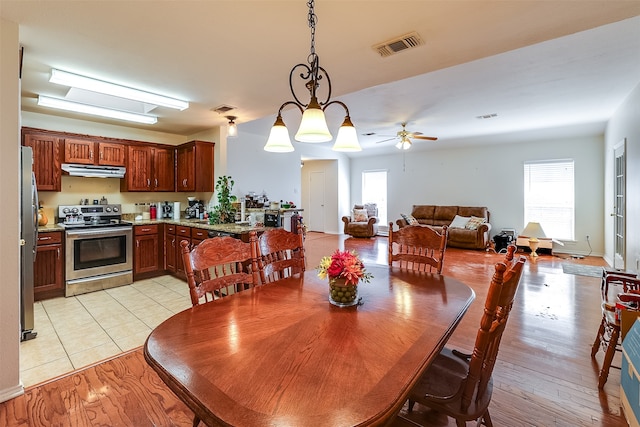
x: 166, y: 210
x: 194, y: 210
x: 271, y: 218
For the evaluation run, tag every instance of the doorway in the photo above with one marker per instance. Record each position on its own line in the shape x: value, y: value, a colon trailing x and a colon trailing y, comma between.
x: 316, y: 201
x: 619, y: 205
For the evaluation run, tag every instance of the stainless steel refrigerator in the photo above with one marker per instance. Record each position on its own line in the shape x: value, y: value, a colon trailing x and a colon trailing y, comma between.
x: 29, y: 235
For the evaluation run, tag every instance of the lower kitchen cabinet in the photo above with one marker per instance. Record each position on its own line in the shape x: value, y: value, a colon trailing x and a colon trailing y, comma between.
x: 146, y: 249
x: 48, y: 269
x: 170, y: 248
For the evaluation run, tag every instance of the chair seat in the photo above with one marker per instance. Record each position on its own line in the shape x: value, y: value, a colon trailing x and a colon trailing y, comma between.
x: 443, y: 380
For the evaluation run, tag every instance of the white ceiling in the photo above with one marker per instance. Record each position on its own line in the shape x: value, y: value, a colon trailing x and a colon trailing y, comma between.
x: 541, y: 66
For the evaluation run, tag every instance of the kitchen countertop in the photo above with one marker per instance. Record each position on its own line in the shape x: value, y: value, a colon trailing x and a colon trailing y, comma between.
x: 197, y: 223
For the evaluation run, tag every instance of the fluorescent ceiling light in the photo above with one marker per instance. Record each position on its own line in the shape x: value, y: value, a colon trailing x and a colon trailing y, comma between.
x: 62, y: 104
x: 87, y: 83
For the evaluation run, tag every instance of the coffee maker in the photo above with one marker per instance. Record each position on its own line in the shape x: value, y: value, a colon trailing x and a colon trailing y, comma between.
x: 166, y: 210
x: 194, y: 210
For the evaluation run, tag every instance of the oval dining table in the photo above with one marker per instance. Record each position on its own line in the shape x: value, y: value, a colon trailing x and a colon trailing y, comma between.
x: 281, y: 355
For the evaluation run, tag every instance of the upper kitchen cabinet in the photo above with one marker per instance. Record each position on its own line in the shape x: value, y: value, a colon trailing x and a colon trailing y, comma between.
x: 195, y: 166
x: 149, y: 168
x: 90, y: 152
x: 47, y: 153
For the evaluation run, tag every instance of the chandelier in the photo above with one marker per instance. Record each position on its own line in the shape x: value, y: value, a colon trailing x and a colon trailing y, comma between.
x: 313, y: 126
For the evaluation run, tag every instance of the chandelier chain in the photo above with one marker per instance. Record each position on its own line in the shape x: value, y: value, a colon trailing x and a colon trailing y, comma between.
x: 313, y: 19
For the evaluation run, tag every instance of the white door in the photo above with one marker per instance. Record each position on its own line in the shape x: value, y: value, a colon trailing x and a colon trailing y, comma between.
x: 619, y: 203
x: 316, y: 202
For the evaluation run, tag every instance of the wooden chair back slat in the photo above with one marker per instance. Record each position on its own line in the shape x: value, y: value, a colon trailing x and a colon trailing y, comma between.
x: 220, y: 266
x: 280, y: 254
x: 417, y: 247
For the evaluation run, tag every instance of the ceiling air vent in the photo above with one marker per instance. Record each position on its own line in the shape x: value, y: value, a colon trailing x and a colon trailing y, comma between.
x: 398, y: 44
x: 222, y: 109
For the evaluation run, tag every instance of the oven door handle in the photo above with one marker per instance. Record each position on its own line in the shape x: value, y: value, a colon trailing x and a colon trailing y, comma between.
x: 98, y: 233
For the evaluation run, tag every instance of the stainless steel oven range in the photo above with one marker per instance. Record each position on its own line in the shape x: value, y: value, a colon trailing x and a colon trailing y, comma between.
x: 98, y: 248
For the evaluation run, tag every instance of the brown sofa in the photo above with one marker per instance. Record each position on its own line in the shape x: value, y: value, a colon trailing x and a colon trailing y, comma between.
x: 437, y: 216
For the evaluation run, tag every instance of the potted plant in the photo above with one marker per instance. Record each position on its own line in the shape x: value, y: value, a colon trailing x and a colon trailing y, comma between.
x: 224, y: 212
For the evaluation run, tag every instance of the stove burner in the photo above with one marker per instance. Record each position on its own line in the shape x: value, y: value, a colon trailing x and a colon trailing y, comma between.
x: 82, y: 216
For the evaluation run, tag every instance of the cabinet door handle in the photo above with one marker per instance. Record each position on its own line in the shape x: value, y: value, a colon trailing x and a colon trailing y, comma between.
x: 58, y: 253
x: 45, y: 238
x: 184, y: 182
x: 101, y: 155
x: 156, y: 182
x: 137, y: 243
x: 91, y: 154
x: 148, y: 182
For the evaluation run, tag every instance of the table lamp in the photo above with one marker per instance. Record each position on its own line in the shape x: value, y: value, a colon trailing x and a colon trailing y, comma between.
x: 533, y: 231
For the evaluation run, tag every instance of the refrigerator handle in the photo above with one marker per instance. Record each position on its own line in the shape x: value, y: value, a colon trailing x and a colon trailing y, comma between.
x: 34, y: 188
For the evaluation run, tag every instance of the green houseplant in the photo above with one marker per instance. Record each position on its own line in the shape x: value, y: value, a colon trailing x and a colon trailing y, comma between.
x: 224, y: 212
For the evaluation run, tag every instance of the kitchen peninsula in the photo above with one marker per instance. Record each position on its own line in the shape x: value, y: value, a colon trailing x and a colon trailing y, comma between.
x: 155, y: 249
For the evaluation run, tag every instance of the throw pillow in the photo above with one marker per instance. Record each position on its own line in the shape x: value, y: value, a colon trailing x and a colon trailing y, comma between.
x: 360, y: 215
x: 410, y: 219
x: 474, y: 223
x: 459, y: 221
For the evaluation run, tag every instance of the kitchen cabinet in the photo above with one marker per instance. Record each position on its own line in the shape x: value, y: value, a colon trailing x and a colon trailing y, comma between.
x: 47, y: 154
x: 195, y: 166
x: 88, y: 152
x: 183, y: 233
x: 170, y: 248
x: 149, y: 168
x: 48, y: 268
x: 146, y: 249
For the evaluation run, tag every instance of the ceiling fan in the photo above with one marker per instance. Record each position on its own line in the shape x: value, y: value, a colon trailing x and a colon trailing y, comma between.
x: 405, y: 138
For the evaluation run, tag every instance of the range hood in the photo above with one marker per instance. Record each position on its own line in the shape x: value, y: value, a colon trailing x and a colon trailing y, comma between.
x: 94, y: 171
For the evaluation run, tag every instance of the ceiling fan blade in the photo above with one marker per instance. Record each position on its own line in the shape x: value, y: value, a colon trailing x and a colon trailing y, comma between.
x: 385, y: 140
x: 428, y: 138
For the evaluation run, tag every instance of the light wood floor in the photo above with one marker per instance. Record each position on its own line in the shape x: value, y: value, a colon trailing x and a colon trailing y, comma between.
x: 544, y: 375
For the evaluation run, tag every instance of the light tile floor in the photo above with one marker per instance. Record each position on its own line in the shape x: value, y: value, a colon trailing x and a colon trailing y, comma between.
x: 78, y: 331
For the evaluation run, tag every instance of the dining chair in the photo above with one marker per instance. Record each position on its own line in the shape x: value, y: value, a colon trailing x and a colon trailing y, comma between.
x: 220, y: 266
x: 280, y: 254
x: 614, y: 284
x: 417, y: 247
x: 458, y: 384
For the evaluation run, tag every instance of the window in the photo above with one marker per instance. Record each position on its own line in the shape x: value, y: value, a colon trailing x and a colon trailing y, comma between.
x: 374, y: 190
x: 549, y: 197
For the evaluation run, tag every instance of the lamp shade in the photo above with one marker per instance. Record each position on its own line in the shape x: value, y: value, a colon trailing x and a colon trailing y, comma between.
x: 279, y: 141
x: 403, y: 144
x: 347, y: 139
x: 232, y: 128
x: 533, y: 230
x: 313, y: 126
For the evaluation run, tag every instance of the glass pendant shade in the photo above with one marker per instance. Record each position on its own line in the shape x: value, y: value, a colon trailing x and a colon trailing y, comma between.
x: 313, y: 126
x: 347, y: 139
x: 232, y: 130
x: 279, y: 141
x: 403, y: 144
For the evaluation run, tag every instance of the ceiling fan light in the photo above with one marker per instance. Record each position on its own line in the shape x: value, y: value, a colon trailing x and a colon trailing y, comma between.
x: 403, y: 144
x: 279, y: 141
x: 347, y: 139
x: 313, y: 126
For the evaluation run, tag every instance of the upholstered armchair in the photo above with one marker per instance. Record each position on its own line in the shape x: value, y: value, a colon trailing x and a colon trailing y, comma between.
x: 363, y: 221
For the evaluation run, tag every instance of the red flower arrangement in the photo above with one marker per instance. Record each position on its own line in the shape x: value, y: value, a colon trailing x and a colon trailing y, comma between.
x: 344, y: 265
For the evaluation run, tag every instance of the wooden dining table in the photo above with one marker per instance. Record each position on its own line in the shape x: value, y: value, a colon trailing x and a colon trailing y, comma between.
x: 281, y: 355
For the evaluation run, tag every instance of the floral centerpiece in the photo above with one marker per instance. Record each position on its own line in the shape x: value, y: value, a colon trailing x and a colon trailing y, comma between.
x: 344, y: 270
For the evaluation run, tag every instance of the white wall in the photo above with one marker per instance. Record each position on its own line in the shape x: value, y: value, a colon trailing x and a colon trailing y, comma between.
x: 625, y: 123
x: 492, y: 176
x: 280, y: 174
x: 10, y: 385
